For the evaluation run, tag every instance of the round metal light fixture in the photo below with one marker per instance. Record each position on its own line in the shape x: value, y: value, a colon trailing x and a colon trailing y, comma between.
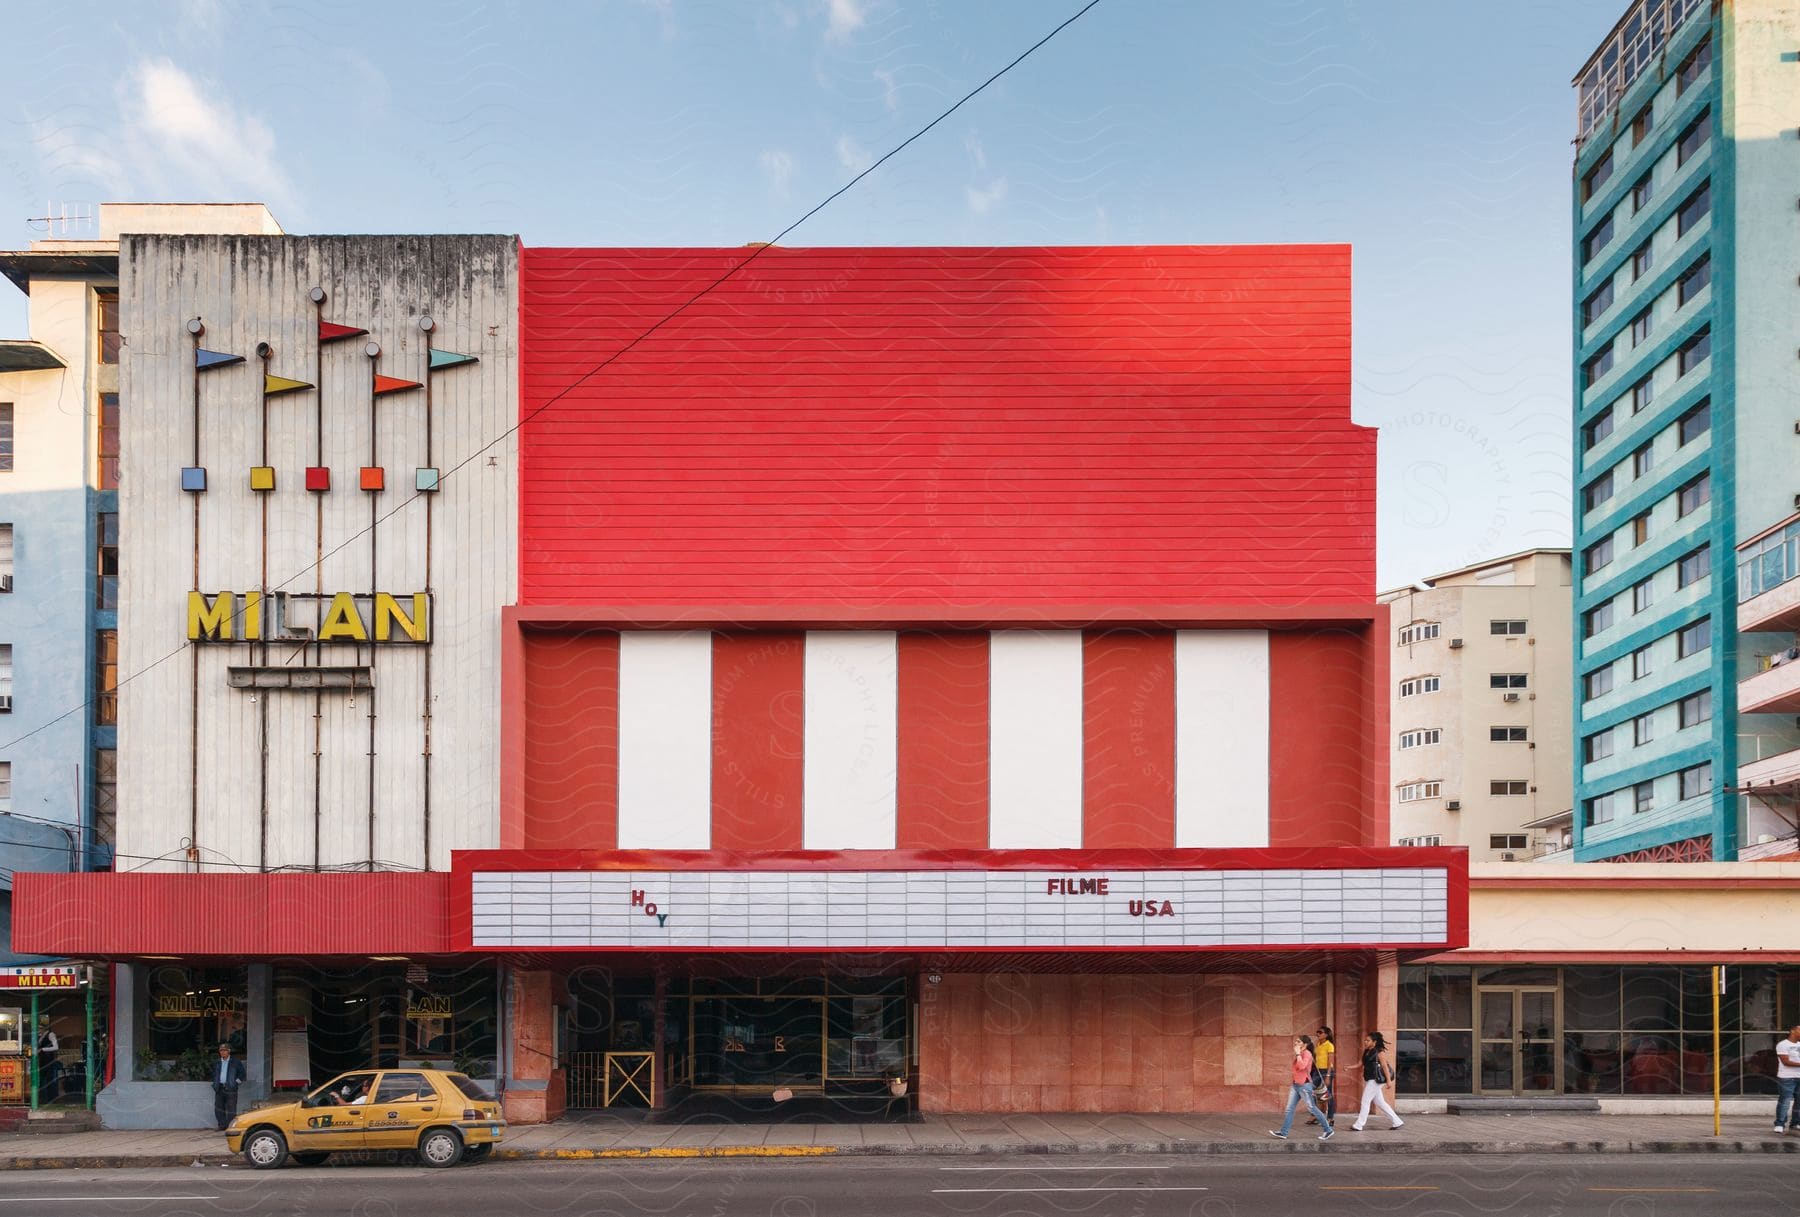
x: 316, y: 295
x: 372, y: 348
x: 196, y: 327
x: 264, y: 351
x: 933, y: 978
x: 427, y: 324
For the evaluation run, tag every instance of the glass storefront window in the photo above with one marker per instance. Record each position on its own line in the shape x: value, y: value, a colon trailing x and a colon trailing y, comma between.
x: 188, y: 1013
x: 1652, y: 999
x: 1452, y: 998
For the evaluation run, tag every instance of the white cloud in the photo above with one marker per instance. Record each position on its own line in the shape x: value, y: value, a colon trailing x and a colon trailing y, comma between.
x: 983, y: 201
x: 779, y: 167
x: 890, y: 89
x: 183, y: 136
x: 852, y: 155
x: 207, y: 15
x: 843, y: 18
x: 977, y: 154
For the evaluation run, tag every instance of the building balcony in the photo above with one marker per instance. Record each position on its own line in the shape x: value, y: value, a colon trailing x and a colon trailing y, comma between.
x: 1776, y: 688
x: 1768, y: 574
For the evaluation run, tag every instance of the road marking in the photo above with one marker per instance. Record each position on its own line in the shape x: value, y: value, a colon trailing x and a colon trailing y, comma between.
x: 90, y: 1199
x: 1377, y: 1187
x: 1651, y: 1190
x: 1151, y: 1167
x: 1039, y: 1191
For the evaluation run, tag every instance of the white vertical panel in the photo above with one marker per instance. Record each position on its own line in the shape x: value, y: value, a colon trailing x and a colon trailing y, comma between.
x: 1034, y: 739
x: 852, y: 708
x: 1221, y: 738
x: 665, y: 740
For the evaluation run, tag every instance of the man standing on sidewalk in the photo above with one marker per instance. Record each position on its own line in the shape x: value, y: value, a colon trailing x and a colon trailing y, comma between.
x: 1787, y: 1081
x: 228, y: 1075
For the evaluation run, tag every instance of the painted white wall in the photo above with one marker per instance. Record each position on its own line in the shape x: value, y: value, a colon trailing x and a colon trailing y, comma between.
x: 1035, y: 739
x: 1221, y: 738
x: 665, y: 740
x: 852, y: 724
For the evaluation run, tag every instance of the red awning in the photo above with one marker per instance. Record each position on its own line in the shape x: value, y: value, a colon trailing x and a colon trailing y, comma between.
x: 249, y: 915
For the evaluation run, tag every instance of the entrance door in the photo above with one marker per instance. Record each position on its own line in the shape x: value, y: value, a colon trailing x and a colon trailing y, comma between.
x: 1517, y: 1052
x: 757, y: 1043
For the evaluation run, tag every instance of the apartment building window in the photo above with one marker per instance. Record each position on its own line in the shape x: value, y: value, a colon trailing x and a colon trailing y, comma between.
x: 1421, y: 738
x: 1694, y: 709
x: 1509, y: 841
x: 1643, y: 730
x: 1693, y: 496
x: 1599, y: 429
x: 1598, y: 620
x: 1642, y: 124
x: 1640, y: 663
x: 1695, y: 423
x: 6, y: 680
x: 1418, y: 685
x: 1691, y: 68
x: 106, y: 677
x: 5, y: 787
x: 1697, y: 781
x: 1598, y: 746
x: 1694, y: 638
x: 1510, y: 627
x: 1596, y: 177
x: 106, y: 796
x: 106, y: 581
x: 1643, y: 261
x: 1599, y: 810
x: 1506, y: 680
x: 1642, y: 191
x: 1431, y: 840
x: 1694, y: 567
x: 1598, y: 239
x: 1418, y: 631
x: 1598, y: 367
x: 1599, y: 555
x: 1697, y: 207
x: 1643, y: 460
x: 1412, y: 792
x: 1597, y: 683
x: 1598, y: 303
x: 1507, y: 788
x: 1640, y: 528
x: 108, y: 447
x: 1694, y: 279
x: 109, y: 326
x: 1640, y: 328
x: 1598, y: 491
x: 1506, y: 735
x: 6, y: 558
x: 6, y: 437
x: 1694, y: 138
x: 1641, y: 597
x: 1643, y: 393
x: 1643, y: 797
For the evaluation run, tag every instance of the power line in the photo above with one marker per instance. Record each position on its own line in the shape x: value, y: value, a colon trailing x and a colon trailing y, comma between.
x: 755, y: 253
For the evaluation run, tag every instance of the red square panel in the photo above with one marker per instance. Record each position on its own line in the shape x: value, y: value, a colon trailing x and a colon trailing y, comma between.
x: 318, y: 477
x: 372, y: 477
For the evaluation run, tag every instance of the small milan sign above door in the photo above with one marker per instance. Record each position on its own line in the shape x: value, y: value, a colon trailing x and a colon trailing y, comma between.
x: 918, y: 909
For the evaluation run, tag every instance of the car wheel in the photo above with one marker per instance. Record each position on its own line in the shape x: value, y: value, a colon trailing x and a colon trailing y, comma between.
x: 475, y: 1153
x: 311, y: 1157
x: 265, y: 1149
x: 440, y: 1147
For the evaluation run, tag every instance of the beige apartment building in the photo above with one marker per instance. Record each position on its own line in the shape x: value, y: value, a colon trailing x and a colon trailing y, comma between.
x: 1480, y: 708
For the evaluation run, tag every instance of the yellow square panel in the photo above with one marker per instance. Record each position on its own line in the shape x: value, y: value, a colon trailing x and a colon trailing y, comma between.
x: 262, y: 477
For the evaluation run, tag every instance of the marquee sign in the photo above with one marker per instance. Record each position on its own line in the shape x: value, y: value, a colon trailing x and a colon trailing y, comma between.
x: 356, y: 617
x: 962, y: 908
x: 61, y: 976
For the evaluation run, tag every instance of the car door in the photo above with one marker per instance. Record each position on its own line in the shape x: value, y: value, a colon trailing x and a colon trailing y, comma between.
x: 405, y: 1102
x: 337, y: 1121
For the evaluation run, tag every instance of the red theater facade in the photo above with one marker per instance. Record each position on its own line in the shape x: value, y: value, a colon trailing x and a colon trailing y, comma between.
x: 940, y: 665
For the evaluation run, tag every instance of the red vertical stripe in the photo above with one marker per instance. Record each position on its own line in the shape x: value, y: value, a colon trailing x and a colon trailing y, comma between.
x: 1377, y: 721
x: 1318, y: 738
x: 571, y: 746
x: 1128, y: 740
x: 758, y: 740
x: 942, y: 788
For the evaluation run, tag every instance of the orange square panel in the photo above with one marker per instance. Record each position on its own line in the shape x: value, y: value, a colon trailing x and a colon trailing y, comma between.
x: 372, y: 478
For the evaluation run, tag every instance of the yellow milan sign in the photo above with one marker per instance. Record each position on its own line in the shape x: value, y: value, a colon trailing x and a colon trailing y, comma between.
x: 292, y: 617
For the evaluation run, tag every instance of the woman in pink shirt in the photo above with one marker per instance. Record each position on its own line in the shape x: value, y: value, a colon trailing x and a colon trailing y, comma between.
x: 1302, y: 1092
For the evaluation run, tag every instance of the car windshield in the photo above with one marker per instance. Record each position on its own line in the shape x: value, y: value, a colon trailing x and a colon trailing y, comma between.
x: 471, y: 1089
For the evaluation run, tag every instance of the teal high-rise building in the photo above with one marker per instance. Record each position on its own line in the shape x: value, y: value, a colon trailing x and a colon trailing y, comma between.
x: 1687, y: 421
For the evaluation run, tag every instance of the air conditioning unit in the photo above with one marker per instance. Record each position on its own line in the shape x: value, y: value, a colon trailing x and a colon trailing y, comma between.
x: 1509, y: 857
x: 5, y: 703
x: 1510, y: 697
x: 6, y: 583
x: 1453, y: 805
x: 1456, y: 644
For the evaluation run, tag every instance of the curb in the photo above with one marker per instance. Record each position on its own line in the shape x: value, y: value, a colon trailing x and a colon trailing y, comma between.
x: 1186, y: 1148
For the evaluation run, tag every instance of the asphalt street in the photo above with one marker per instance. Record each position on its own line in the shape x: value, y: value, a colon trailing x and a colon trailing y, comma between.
x: 1242, y: 1186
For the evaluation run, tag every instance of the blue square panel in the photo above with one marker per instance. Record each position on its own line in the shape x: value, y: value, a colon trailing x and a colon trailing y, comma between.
x: 193, y: 479
x: 426, y: 480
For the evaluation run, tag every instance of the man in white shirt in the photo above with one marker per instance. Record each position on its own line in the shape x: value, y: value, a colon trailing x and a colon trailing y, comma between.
x: 1787, y: 1081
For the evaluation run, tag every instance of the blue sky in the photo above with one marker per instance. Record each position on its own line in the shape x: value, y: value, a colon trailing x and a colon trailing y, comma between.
x: 1433, y: 136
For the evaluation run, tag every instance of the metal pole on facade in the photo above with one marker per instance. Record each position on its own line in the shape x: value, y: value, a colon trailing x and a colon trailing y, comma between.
x: 87, y: 1043
x: 1718, y: 982
x: 34, y: 1050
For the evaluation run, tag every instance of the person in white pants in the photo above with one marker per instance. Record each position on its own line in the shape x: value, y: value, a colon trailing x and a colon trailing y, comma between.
x: 1376, y: 1075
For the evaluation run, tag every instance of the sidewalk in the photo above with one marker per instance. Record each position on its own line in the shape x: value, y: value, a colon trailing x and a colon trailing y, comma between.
x: 597, y: 1137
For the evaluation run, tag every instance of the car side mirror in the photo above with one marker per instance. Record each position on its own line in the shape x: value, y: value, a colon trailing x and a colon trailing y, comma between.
x: 306, y: 1100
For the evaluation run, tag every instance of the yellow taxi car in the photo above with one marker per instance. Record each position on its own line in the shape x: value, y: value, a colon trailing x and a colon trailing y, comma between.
x: 444, y: 1117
